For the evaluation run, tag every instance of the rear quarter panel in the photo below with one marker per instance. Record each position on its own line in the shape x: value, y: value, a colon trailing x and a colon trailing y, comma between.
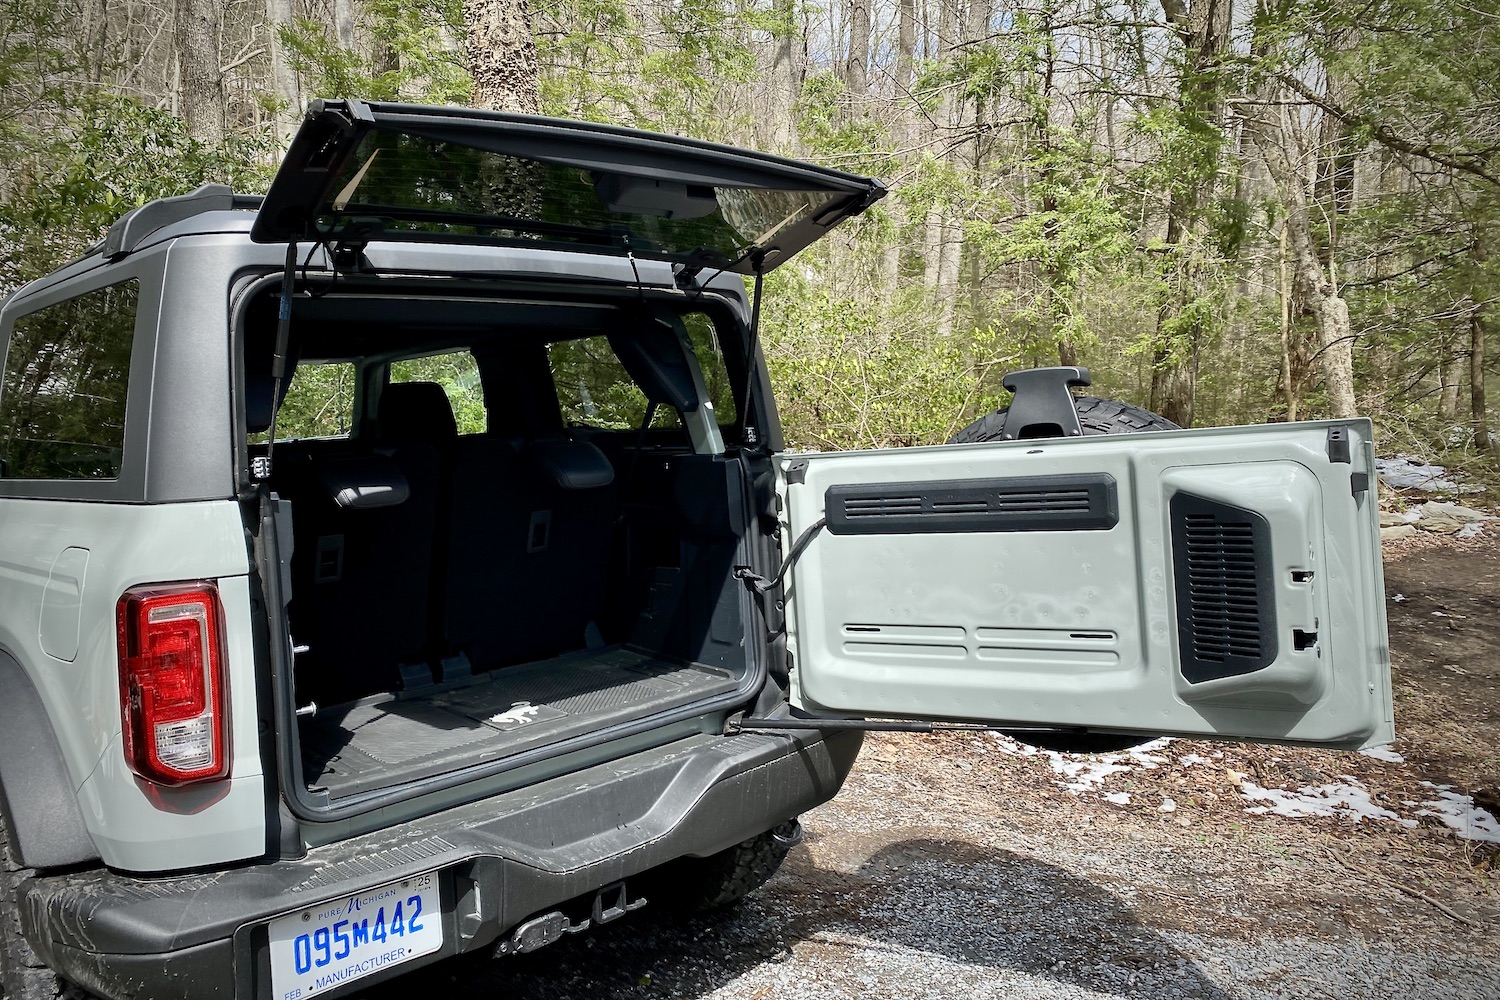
x: 136, y: 826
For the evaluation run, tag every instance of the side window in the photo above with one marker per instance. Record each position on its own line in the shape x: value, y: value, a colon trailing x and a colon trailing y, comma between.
x: 595, y: 390
x: 320, y: 401
x: 62, y: 401
x: 705, y: 340
x: 458, y: 374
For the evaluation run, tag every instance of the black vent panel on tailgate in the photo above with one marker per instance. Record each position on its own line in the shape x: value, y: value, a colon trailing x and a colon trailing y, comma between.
x: 1023, y: 503
x: 1226, y: 598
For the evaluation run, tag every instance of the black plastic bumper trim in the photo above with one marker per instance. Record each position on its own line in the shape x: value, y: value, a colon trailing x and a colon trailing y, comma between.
x: 529, y: 850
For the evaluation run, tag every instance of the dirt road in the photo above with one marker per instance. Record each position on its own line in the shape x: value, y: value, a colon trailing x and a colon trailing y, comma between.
x: 964, y: 866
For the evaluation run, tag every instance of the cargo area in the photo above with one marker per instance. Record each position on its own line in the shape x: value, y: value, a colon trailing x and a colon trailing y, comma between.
x: 503, y: 545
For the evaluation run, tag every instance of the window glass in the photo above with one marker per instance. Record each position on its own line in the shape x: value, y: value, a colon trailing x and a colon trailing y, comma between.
x: 595, y: 390
x: 458, y: 374
x: 319, y: 402
x: 62, y: 401
x: 424, y: 184
x: 705, y: 340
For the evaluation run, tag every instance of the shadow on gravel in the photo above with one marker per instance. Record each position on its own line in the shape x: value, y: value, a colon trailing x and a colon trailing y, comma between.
x: 913, y: 919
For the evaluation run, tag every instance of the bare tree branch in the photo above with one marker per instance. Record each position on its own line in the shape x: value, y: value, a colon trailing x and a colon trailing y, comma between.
x: 1386, y: 137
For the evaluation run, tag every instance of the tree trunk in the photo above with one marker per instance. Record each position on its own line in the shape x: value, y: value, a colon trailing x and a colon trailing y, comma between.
x: 1477, y: 414
x: 343, y: 23
x: 1203, y: 30
x: 906, y: 46
x: 947, y: 27
x: 1450, y: 378
x: 857, y: 62
x: 502, y: 55
x: 200, y: 84
x: 1334, y: 188
x: 1310, y: 282
x: 283, y: 77
x: 785, y: 81
x: 1288, y: 369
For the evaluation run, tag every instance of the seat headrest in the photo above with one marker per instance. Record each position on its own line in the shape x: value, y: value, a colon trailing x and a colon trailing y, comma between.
x: 575, y: 465
x: 415, y: 412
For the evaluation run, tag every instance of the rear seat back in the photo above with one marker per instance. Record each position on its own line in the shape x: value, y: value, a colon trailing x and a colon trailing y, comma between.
x: 364, y: 520
x: 528, y: 547
x: 530, y: 517
x: 359, y: 568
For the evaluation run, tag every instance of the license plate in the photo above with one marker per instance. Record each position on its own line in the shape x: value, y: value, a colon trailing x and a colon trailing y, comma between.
x: 341, y: 940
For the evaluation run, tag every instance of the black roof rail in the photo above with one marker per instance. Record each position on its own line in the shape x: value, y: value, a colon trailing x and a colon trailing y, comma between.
x: 131, y: 229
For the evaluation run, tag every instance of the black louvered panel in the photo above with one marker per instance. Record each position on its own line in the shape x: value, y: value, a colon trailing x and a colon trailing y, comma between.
x: 1226, y: 603
x: 880, y: 506
x: 1060, y: 500
x: 1030, y: 503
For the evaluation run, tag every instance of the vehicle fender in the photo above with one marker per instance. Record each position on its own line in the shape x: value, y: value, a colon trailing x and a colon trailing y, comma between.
x: 36, y: 791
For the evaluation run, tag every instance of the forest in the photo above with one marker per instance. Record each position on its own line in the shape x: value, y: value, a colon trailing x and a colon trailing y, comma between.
x: 1231, y: 211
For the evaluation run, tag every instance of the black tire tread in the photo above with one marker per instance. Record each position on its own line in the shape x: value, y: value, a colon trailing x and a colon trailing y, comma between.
x: 23, y: 975
x: 698, y: 884
x: 1095, y: 416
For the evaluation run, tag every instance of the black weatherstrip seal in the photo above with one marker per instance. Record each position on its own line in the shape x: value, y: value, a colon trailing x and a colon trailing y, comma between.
x: 1086, y: 502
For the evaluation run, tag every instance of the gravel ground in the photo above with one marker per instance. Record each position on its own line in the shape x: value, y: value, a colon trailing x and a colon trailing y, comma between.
x: 909, y: 886
x: 959, y: 866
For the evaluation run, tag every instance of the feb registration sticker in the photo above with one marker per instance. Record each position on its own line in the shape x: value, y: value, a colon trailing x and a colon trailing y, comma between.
x: 337, y: 942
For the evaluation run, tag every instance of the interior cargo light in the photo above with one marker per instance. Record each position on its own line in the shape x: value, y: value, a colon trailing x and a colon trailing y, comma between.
x: 172, y: 703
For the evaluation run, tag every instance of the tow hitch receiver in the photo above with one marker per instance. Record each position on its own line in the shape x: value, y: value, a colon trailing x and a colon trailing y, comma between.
x: 610, y: 903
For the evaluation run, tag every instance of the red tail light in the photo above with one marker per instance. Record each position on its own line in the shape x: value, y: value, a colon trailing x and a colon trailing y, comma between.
x: 172, y: 683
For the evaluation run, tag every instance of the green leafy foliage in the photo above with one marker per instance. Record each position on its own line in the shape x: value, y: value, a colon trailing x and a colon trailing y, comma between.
x: 1067, y: 175
x: 850, y: 374
x: 417, y: 63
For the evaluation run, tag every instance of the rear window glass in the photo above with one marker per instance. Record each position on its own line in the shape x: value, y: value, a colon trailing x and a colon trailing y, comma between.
x: 595, y: 390
x: 415, y: 183
x: 319, y: 402
x: 67, y: 373
x: 458, y: 374
x: 705, y: 340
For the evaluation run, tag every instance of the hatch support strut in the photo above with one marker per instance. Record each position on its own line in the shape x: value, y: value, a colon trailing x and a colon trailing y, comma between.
x: 735, y: 725
x: 262, y: 466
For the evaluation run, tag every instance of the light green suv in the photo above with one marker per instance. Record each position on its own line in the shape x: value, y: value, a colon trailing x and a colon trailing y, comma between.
x: 407, y: 563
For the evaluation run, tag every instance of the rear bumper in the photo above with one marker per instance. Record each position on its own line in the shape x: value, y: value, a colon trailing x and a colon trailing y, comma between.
x: 498, y: 861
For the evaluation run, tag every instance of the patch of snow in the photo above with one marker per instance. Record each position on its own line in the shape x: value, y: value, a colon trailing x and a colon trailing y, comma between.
x: 1339, y: 799
x: 1118, y: 798
x: 1400, y: 597
x: 1168, y: 804
x: 1458, y: 812
x: 1086, y: 775
x: 1410, y: 473
x: 1189, y: 759
x: 1085, y: 772
x: 1384, y: 752
x: 1470, y: 530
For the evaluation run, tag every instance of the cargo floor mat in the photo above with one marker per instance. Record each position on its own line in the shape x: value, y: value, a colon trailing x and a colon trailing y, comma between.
x: 386, y: 739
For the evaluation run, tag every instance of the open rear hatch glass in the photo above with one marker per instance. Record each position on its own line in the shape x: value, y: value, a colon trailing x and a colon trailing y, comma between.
x: 358, y: 172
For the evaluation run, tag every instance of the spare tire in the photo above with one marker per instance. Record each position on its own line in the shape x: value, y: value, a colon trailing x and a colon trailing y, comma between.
x: 1095, y: 416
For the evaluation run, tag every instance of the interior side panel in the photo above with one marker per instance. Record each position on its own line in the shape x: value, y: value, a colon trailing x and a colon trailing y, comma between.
x: 1203, y: 582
